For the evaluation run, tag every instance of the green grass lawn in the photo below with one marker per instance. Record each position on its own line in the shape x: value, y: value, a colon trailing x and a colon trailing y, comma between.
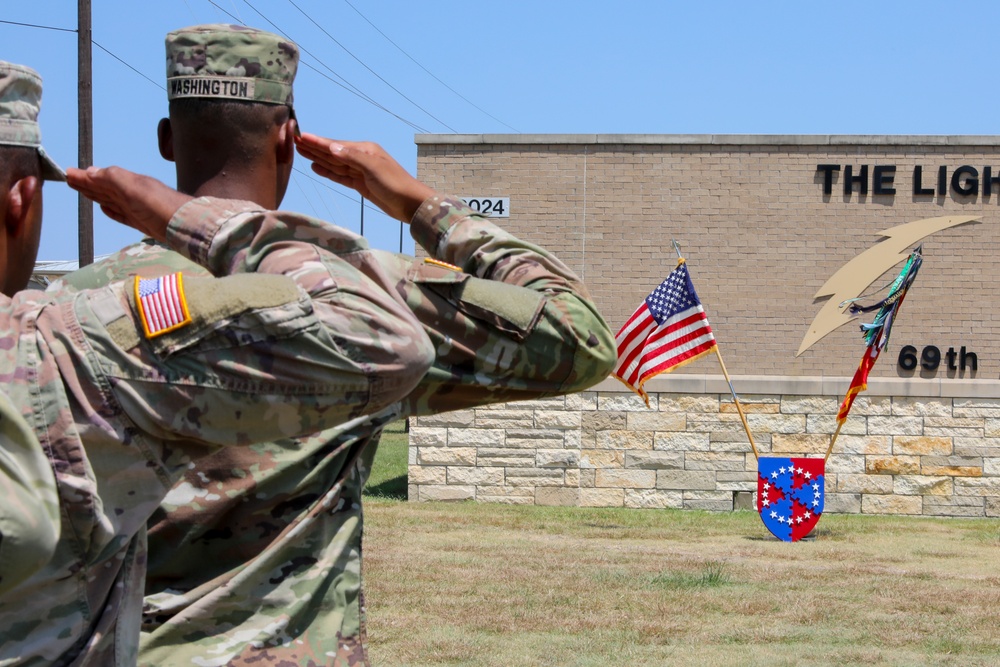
x: 388, y: 478
x: 485, y: 585
x: 479, y: 585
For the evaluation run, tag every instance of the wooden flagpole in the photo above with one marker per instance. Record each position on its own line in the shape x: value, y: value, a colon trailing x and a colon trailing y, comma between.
x: 833, y: 439
x: 725, y: 373
x: 739, y: 408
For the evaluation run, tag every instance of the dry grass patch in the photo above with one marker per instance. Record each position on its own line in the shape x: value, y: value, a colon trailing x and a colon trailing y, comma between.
x: 491, y: 585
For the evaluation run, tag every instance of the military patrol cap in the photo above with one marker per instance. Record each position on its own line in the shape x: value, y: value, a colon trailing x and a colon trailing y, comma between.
x: 231, y: 62
x: 20, y: 100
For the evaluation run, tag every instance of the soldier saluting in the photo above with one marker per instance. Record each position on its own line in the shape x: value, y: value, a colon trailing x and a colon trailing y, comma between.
x: 255, y: 557
x: 124, y: 386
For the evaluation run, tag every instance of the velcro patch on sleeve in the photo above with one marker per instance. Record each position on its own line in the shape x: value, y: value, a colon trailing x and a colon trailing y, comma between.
x: 510, y: 308
x: 162, y: 304
x: 232, y: 310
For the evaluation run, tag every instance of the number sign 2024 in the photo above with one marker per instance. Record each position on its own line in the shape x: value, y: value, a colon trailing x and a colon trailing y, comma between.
x: 491, y: 207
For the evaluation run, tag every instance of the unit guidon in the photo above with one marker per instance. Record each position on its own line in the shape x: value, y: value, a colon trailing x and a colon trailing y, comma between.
x: 215, y: 86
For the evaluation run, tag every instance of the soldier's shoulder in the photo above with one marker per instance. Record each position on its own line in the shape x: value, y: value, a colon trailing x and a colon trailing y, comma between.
x: 146, y: 258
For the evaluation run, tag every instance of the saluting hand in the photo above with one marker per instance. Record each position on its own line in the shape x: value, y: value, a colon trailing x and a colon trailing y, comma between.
x: 367, y: 168
x: 141, y: 202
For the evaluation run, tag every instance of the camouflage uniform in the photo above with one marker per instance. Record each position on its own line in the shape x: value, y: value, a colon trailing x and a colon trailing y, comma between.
x: 112, y: 406
x: 298, y: 342
x: 255, y: 557
x: 29, y: 508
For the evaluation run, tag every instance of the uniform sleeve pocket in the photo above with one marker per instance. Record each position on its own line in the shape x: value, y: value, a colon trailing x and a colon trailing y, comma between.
x: 508, y: 308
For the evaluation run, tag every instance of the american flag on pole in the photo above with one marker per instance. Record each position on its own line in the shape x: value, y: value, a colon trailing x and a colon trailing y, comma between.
x: 668, y: 330
x: 161, y: 302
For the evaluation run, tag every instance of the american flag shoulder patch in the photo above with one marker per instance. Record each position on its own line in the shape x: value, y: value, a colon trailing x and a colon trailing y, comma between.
x: 162, y: 305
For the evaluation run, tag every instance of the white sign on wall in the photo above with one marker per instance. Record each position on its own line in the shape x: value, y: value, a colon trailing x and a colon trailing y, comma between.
x: 491, y: 207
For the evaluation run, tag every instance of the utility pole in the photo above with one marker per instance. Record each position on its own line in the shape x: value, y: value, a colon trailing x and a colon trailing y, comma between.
x: 85, y: 127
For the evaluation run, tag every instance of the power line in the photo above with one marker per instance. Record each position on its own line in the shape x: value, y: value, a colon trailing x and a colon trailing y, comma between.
x: 237, y: 10
x: 347, y: 85
x: 363, y: 201
x: 94, y: 42
x: 470, y: 102
x: 366, y: 98
x: 35, y: 25
x: 193, y: 15
x: 325, y: 32
x: 335, y: 191
x: 361, y: 94
x: 322, y: 199
x: 306, y: 197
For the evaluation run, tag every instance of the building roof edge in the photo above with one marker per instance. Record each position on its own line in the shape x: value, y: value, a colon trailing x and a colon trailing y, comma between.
x: 712, y: 139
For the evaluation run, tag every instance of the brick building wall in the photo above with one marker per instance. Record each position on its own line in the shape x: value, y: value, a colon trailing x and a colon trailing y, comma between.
x: 761, y: 237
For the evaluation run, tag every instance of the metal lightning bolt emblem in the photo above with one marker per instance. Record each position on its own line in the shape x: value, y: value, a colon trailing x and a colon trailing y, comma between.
x: 858, y: 274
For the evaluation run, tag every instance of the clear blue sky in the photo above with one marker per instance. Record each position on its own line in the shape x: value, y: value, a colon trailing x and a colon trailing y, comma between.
x: 654, y: 67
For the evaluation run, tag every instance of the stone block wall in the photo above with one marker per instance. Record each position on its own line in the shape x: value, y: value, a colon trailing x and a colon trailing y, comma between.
x: 934, y: 454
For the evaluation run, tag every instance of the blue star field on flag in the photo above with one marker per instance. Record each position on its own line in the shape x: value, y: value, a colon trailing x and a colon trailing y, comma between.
x: 673, y: 295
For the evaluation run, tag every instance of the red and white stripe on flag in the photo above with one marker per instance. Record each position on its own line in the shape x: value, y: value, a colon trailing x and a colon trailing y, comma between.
x: 161, y: 302
x: 646, y: 348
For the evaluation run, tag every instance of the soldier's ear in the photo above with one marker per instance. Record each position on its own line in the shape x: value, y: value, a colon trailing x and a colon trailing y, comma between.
x: 286, y: 141
x: 19, y: 198
x: 165, y: 139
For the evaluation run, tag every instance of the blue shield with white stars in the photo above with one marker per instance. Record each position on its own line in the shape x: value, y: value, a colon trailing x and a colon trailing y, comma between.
x: 790, y: 494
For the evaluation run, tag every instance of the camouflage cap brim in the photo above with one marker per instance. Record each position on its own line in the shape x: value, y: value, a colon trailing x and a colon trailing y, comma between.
x: 50, y: 170
x: 20, y: 101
